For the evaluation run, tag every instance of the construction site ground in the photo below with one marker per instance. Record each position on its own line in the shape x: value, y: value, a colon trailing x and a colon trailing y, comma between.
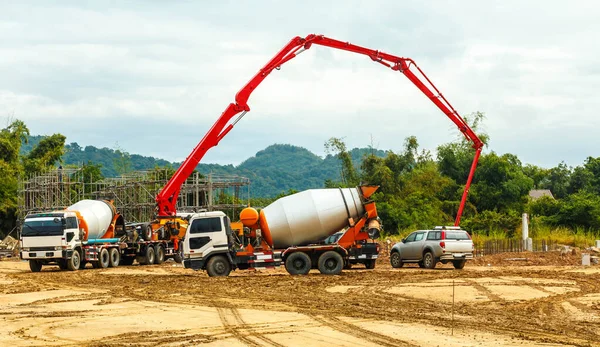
x: 513, y: 299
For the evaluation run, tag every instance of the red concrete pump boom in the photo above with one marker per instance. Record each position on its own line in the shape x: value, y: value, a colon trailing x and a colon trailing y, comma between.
x: 167, y: 197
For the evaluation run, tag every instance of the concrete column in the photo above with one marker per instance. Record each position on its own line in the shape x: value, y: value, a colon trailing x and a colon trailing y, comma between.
x: 525, y: 227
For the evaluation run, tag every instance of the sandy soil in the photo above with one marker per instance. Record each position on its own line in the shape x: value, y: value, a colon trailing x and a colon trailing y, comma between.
x: 167, y: 305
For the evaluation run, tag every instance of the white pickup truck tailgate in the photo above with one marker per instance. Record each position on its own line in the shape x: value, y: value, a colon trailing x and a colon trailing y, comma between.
x: 459, y: 246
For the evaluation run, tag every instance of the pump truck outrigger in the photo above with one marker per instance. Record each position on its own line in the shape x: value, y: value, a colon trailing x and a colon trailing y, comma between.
x: 166, y: 199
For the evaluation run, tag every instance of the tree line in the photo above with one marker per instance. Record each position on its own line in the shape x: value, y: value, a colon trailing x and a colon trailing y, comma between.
x: 417, y: 189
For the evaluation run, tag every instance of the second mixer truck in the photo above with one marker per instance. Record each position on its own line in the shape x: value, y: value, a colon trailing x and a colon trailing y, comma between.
x: 89, y: 231
x: 288, y: 232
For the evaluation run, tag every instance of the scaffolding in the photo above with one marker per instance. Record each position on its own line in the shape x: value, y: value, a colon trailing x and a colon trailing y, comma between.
x: 133, y: 194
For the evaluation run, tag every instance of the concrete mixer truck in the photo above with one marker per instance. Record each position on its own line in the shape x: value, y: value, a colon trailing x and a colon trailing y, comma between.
x: 288, y: 232
x: 89, y: 231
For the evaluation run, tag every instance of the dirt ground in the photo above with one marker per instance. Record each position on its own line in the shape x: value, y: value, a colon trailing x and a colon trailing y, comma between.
x: 500, y: 300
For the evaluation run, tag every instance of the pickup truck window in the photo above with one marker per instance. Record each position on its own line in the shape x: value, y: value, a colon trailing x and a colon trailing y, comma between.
x: 205, y: 225
x: 457, y: 235
x: 433, y: 235
x: 419, y: 236
x: 411, y: 237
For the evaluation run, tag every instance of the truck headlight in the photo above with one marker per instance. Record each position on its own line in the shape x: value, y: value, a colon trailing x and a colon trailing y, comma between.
x: 57, y: 248
x: 25, y: 249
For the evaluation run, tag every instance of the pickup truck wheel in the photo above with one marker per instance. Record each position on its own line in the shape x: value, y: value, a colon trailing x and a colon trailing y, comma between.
x: 459, y: 264
x: 35, y: 265
x: 298, y: 263
x: 396, y: 260
x: 218, y: 266
x: 429, y: 260
x: 74, y: 262
x: 103, y: 258
x: 115, y: 257
x: 159, y: 256
x: 330, y: 263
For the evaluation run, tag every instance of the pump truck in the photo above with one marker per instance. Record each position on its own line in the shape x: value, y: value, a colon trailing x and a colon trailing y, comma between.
x: 173, y: 226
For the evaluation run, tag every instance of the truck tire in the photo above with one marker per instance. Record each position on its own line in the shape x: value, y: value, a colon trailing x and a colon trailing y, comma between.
x: 459, y: 264
x: 159, y: 256
x: 298, y: 263
x: 104, y: 258
x: 396, y: 260
x: 148, y: 259
x: 147, y: 232
x: 330, y: 263
x: 74, y: 262
x: 218, y: 265
x: 370, y: 264
x: 178, y: 257
x: 429, y: 260
x: 115, y: 257
x: 35, y: 265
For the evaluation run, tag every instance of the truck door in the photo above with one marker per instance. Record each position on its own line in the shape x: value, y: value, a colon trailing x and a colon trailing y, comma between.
x: 205, y: 236
x: 415, y: 247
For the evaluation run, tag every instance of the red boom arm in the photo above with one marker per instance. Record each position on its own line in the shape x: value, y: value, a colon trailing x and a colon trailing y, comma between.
x: 167, y: 197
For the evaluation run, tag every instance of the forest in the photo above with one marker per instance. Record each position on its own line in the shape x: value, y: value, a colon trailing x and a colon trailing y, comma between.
x: 418, y: 189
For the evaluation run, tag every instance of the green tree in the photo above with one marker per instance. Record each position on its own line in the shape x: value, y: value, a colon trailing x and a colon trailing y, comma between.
x: 45, y: 154
x: 348, y: 174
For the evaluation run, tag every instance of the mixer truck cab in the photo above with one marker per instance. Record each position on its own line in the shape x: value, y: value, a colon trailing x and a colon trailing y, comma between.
x: 289, y: 231
x: 49, y: 238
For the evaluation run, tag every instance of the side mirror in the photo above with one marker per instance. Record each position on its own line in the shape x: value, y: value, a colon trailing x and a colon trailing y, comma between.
x: 403, y: 240
x: 70, y: 236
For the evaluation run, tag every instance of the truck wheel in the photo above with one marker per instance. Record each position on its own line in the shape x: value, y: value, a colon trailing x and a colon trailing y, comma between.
x: 35, y: 265
x: 429, y: 260
x: 459, y: 264
x: 159, y: 256
x: 147, y: 232
x: 115, y: 257
x: 396, y: 260
x: 370, y: 264
x: 148, y: 259
x: 218, y: 266
x: 178, y: 257
x: 104, y: 258
x: 298, y: 263
x: 330, y: 263
x: 74, y: 262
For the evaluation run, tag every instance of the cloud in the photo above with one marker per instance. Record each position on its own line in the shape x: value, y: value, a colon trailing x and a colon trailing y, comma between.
x: 154, y: 76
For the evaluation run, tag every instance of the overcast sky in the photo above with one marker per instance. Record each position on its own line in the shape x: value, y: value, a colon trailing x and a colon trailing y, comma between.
x: 152, y: 76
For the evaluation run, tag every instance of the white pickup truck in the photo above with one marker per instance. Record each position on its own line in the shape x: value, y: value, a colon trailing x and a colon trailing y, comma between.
x: 428, y: 247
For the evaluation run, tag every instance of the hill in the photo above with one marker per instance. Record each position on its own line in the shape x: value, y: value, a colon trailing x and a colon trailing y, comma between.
x: 273, y: 170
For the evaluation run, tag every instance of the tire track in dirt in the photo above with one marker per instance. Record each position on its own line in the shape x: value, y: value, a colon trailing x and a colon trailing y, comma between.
x: 233, y: 329
x: 358, y: 332
x: 483, y: 290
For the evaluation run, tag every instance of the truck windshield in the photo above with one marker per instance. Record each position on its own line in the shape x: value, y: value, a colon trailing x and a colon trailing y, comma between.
x: 43, y: 227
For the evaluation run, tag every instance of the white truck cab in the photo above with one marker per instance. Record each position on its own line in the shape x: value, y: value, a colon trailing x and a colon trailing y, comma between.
x: 207, y: 234
x: 49, y: 238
